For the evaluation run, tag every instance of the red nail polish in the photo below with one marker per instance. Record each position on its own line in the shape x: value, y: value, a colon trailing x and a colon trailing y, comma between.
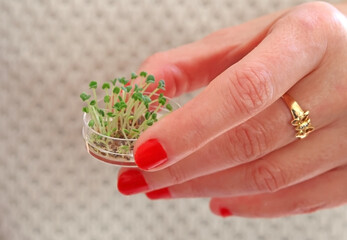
x: 225, y: 212
x: 150, y: 155
x: 163, y: 193
x: 131, y: 182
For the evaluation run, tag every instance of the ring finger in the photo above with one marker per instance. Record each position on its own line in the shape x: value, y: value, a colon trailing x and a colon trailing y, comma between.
x: 295, y: 163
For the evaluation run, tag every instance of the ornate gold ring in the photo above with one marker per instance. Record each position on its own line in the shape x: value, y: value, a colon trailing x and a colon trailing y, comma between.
x: 301, y: 121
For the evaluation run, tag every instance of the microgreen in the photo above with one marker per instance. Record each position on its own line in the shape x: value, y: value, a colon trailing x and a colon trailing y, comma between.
x: 84, y: 96
x: 93, y: 84
x: 126, y: 109
x: 106, y: 86
x: 143, y: 74
x: 161, y: 84
x: 133, y: 76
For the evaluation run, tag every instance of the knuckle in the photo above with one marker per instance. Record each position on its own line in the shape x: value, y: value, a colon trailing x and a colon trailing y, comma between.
x: 176, y: 174
x: 249, y: 89
x: 249, y: 141
x: 314, y: 16
x: 265, y: 177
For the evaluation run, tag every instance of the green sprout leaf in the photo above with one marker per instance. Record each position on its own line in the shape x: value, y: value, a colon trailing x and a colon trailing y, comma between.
x: 135, y: 130
x: 93, y: 84
x: 146, y: 100
x: 84, y: 96
x: 143, y: 74
x: 91, y: 123
x: 154, y: 116
x: 149, y: 122
x: 120, y: 105
x: 126, y: 89
x: 116, y: 90
x: 101, y: 112
x: 106, y: 86
x: 110, y: 114
x: 161, y: 85
x: 123, y: 80
x: 107, y: 99
x: 161, y: 99
x: 137, y: 96
x: 92, y: 103
x: 150, y: 79
x: 85, y: 109
x: 133, y: 76
x: 169, y: 107
x: 114, y: 81
x: 147, y: 115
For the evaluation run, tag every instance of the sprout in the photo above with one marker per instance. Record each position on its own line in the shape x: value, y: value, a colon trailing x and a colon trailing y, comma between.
x: 137, y: 96
x: 143, y: 74
x: 127, y: 89
x: 128, y: 110
x: 133, y: 76
x: 114, y: 81
x: 150, y: 79
x: 85, y: 109
x: 161, y: 99
x: 91, y: 123
x: 93, y: 85
x: 84, y: 97
x: 107, y: 99
x: 106, y: 86
x: 168, y: 107
x: 123, y: 80
x: 111, y: 114
x: 116, y: 90
x: 147, y: 115
x: 161, y: 85
x: 101, y: 112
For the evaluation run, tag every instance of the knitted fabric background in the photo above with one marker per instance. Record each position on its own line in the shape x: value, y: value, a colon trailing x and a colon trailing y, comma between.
x: 50, y: 188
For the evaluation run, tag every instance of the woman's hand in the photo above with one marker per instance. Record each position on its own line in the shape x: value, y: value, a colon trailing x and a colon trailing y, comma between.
x: 234, y: 141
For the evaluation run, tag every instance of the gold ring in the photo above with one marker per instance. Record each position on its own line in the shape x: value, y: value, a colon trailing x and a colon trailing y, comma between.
x: 301, y: 121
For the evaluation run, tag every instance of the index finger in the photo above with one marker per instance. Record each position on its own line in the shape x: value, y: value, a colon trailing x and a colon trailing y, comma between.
x: 294, y: 46
x: 194, y: 65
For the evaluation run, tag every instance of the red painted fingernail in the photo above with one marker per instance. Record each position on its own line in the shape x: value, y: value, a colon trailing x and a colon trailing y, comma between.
x: 131, y: 182
x: 150, y: 155
x: 225, y: 212
x: 163, y: 193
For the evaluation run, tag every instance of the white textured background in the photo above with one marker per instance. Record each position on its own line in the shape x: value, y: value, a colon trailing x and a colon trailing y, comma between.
x: 49, y: 187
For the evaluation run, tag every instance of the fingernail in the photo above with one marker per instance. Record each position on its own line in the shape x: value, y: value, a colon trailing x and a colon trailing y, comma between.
x: 150, y: 155
x: 163, y: 193
x: 131, y: 182
x: 225, y: 212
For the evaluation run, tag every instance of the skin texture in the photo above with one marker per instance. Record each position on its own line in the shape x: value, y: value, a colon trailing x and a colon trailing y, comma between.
x: 235, y: 143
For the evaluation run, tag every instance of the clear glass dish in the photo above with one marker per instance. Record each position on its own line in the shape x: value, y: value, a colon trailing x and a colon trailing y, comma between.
x: 109, y: 149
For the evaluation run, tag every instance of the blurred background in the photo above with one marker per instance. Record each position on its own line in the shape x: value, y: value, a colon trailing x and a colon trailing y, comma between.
x: 50, y: 188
